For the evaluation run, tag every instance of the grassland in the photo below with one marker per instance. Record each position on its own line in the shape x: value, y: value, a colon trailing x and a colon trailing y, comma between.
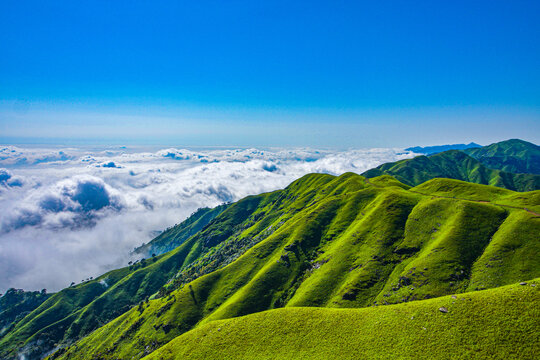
x: 501, y: 323
x: 514, y: 156
x: 175, y: 236
x: 333, y: 242
x: 455, y: 164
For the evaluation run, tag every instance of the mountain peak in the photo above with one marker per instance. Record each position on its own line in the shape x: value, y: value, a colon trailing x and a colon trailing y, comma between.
x: 513, y: 155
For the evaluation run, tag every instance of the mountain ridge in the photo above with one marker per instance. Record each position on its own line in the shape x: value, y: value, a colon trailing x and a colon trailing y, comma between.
x: 323, y: 241
x: 307, y: 260
x: 453, y: 164
x: 514, y: 156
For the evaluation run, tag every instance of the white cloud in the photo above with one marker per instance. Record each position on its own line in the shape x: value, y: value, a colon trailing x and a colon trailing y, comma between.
x: 12, y: 155
x: 75, y: 202
x: 76, y: 213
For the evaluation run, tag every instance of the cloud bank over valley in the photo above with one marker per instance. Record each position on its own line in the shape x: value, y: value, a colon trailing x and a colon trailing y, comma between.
x: 72, y: 213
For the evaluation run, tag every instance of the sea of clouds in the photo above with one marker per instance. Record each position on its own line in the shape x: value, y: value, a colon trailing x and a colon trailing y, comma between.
x: 67, y: 214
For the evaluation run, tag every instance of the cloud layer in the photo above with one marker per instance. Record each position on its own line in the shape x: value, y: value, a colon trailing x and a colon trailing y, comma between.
x: 68, y: 214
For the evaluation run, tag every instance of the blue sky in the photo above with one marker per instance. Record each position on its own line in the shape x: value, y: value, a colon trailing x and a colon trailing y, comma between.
x: 260, y: 73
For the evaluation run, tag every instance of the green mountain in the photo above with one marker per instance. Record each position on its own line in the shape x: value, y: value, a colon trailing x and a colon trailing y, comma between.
x: 76, y: 311
x: 324, y: 241
x: 454, y: 164
x: 16, y: 304
x: 415, y: 330
x: 515, y: 156
x: 176, y: 235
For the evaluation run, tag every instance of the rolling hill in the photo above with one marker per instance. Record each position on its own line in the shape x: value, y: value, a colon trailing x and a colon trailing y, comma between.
x: 324, y: 241
x: 514, y: 156
x: 415, y: 330
x: 455, y: 164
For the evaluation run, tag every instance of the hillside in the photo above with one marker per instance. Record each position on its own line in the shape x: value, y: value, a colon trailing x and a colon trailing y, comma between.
x: 514, y: 156
x: 336, y: 242
x: 457, y: 165
x: 77, y: 310
x: 16, y: 304
x: 175, y: 236
x: 500, y: 323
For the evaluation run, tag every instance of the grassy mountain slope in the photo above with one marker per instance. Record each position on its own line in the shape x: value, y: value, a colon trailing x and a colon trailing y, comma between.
x: 341, y: 242
x: 171, y: 238
x: 514, y: 156
x: 16, y: 304
x: 454, y: 164
x: 498, y: 323
x: 77, y: 310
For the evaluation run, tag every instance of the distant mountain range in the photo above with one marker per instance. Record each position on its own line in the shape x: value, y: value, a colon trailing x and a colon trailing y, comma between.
x: 474, y: 165
x: 429, y: 150
x: 347, y: 266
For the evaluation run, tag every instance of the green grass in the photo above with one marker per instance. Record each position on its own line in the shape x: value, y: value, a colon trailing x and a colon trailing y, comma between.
x: 335, y: 242
x: 501, y: 323
x: 15, y: 304
x: 514, y: 156
x: 508, y: 257
x: 455, y: 164
x: 76, y: 311
x: 447, y: 188
x: 175, y: 236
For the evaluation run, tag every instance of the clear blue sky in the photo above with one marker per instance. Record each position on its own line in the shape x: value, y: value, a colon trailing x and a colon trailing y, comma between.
x: 334, y: 73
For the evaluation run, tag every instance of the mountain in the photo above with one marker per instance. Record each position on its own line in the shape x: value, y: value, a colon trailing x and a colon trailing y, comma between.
x: 324, y: 241
x: 515, y: 156
x: 16, y: 304
x: 429, y: 150
x: 415, y: 330
x: 76, y: 311
x: 176, y: 235
x: 454, y: 164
